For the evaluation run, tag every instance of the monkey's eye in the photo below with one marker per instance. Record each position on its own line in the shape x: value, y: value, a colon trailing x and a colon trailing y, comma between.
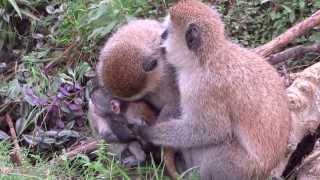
x: 164, y: 35
x: 149, y: 65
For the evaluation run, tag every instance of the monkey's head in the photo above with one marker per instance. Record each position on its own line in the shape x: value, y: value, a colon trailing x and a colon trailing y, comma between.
x: 193, y: 30
x: 128, y: 71
x: 103, y: 104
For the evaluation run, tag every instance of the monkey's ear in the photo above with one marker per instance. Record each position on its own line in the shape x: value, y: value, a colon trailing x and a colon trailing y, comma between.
x: 164, y: 35
x: 115, y: 106
x: 148, y: 65
x: 193, y: 37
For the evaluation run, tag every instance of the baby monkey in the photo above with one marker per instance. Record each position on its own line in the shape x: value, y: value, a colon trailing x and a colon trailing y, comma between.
x: 111, y: 120
x: 107, y: 124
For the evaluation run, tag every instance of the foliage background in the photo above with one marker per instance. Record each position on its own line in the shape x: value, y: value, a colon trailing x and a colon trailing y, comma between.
x: 48, y: 51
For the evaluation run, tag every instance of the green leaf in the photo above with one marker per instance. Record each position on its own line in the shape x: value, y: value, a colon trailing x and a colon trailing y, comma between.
x: 32, y: 140
x: 292, y: 17
x: 102, y: 31
x: 265, y: 1
x: 302, y: 4
x: 315, y: 36
x: 3, y: 135
x: 68, y: 133
x: 16, y: 7
x: 287, y: 9
x: 29, y: 14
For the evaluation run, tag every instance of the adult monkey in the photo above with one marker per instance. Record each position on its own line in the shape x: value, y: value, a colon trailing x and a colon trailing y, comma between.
x: 235, y: 119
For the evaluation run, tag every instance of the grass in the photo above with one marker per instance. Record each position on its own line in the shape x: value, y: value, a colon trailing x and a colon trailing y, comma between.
x: 104, y: 166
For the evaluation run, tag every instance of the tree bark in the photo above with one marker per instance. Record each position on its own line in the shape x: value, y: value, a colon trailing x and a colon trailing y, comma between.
x: 304, y: 104
x: 293, y: 53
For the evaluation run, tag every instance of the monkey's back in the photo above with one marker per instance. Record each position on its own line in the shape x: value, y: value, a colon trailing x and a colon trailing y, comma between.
x: 259, y: 106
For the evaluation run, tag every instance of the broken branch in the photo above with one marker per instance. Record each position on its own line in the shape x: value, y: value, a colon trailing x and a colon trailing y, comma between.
x: 15, y: 155
x: 305, y: 112
x: 293, y: 52
x: 288, y: 36
x: 83, y: 149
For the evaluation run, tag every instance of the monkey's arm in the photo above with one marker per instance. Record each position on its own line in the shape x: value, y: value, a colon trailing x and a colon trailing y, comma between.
x: 180, y: 133
x: 169, y: 111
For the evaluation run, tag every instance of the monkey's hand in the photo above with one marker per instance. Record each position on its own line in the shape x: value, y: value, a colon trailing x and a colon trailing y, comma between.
x: 138, y: 132
x: 108, y: 137
x: 122, y: 131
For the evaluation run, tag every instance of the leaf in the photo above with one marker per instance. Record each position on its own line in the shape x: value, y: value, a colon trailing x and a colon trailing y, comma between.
x: 3, y: 135
x: 292, y: 17
x: 287, y: 9
x: 68, y: 133
x: 32, y: 140
x: 16, y: 7
x: 21, y: 124
x: 31, y: 98
x: 70, y: 125
x: 265, y: 1
x: 302, y: 4
x: 315, y: 36
x: 48, y: 140
x: 29, y: 14
x: 51, y: 133
x: 102, y: 31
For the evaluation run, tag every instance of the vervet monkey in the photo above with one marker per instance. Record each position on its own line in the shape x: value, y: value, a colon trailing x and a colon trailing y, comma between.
x: 131, y: 67
x: 235, y: 119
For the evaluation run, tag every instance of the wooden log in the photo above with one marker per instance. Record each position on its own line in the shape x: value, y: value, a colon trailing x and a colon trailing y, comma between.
x: 310, y: 167
x: 304, y: 104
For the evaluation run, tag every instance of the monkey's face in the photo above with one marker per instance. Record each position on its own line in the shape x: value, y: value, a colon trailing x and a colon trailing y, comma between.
x: 180, y: 44
x: 193, y: 31
x: 103, y: 104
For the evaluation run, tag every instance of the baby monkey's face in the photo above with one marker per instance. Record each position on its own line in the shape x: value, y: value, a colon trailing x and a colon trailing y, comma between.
x: 103, y: 103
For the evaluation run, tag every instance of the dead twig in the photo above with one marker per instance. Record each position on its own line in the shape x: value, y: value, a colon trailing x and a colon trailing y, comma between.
x: 83, y: 149
x: 15, y: 155
x: 293, y: 52
x: 288, y: 36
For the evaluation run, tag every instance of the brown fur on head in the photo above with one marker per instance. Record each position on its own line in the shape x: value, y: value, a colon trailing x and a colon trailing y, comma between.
x: 192, y: 34
x: 129, y: 64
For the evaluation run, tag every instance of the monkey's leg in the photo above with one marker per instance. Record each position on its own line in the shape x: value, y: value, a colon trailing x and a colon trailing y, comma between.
x: 230, y: 163
x: 169, y: 162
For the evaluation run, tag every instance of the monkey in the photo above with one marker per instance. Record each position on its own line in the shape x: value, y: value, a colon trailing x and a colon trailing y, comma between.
x: 101, y: 108
x: 235, y: 119
x: 105, y: 124
x: 131, y: 67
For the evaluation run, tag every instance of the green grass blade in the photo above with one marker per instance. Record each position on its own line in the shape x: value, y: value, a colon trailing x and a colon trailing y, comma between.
x: 16, y: 7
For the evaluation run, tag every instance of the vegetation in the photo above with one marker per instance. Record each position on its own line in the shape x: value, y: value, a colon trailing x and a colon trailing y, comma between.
x: 48, y: 51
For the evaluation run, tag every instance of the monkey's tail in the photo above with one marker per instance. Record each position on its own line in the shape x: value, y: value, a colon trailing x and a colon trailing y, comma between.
x: 169, y: 163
